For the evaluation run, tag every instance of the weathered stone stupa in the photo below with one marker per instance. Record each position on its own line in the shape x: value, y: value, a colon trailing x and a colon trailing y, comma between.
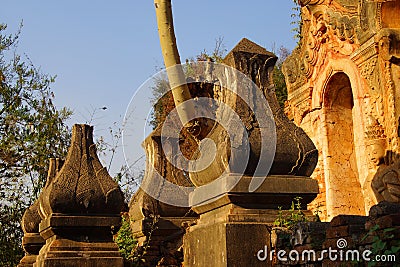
x: 237, y: 218
x: 32, y: 241
x: 75, y: 211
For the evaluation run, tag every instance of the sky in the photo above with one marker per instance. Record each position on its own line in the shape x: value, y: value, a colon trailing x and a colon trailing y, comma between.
x: 102, y: 51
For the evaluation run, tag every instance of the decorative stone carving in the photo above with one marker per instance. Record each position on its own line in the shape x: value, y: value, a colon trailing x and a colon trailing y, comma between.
x: 78, y: 207
x: 310, y: 2
x: 386, y: 182
x: 389, y: 52
x: 367, y: 71
x: 344, y: 27
x: 83, y: 185
x: 375, y: 141
x: 32, y: 242
x: 328, y: 30
x: 295, y: 153
x: 143, y: 207
x: 228, y: 219
x: 360, y: 39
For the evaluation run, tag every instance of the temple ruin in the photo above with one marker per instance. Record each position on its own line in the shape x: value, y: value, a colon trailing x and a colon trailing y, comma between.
x: 337, y: 147
x: 343, y: 82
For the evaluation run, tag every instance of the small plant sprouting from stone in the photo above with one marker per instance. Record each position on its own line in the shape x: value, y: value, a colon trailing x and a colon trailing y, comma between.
x: 383, y: 242
x: 296, y: 21
x: 128, y: 245
x: 291, y: 217
x: 124, y: 238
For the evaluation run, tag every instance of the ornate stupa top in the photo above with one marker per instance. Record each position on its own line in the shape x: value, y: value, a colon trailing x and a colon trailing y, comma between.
x: 83, y: 185
x: 31, y: 218
x: 295, y: 152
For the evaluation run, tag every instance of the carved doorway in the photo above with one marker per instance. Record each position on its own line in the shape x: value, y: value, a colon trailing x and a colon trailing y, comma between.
x: 343, y: 195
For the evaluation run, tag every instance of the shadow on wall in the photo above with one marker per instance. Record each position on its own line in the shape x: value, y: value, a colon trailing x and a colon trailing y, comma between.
x: 386, y: 181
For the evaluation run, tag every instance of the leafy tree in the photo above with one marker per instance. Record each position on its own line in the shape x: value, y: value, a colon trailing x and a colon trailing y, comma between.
x: 32, y: 130
x: 279, y: 78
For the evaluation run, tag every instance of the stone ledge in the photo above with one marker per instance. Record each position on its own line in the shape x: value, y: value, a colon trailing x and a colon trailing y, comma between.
x: 87, y: 220
x: 274, y: 191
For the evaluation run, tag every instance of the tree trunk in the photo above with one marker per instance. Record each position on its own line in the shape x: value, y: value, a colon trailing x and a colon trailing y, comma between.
x: 177, y: 80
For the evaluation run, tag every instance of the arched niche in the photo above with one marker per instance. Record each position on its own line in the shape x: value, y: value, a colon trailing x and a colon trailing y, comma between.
x: 343, y: 191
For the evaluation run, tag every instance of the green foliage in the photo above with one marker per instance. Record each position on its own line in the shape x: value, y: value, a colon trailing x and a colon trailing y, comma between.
x: 11, y: 235
x: 32, y: 130
x: 291, y: 218
x: 163, y: 102
x: 128, y: 245
x: 280, y: 86
x: 279, y: 78
x: 297, y: 21
x: 383, y: 242
x: 124, y: 239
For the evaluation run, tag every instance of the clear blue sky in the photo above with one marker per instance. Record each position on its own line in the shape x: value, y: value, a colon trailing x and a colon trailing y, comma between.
x: 101, y: 51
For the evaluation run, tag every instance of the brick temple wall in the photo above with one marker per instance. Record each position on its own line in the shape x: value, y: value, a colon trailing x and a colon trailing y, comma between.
x: 343, y: 82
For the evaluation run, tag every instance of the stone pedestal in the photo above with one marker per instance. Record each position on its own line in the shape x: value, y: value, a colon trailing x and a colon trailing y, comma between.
x: 157, y: 226
x: 163, y: 238
x: 234, y: 226
x: 32, y: 243
x: 78, y: 241
x: 77, y: 209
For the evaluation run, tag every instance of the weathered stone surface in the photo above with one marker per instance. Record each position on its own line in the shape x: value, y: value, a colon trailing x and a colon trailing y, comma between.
x: 83, y: 185
x: 341, y: 220
x: 389, y: 220
x: 310, y: 234
x: 226, y: 244
x: 229, y: 221
x: 228, y: 224
x: 344, y: 231
x: 78, y: 208
x: 386, y: 182
x: 32, y: 242
x: 342, y: 82
x: 144, y: 208
x: 295, y: 153
x: 276, y: 191
x: 231, y: 214
x: 384, y: 208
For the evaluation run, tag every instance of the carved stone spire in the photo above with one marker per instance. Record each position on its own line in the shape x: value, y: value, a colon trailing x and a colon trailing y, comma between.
x: 32, y: 242
x: 295, y: 153
x: 83, y: 185
x: 78, y: 207
x: 230, y: 214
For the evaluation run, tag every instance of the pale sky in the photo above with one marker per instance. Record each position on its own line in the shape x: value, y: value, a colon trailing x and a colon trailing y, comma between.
x: 102, y: 51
